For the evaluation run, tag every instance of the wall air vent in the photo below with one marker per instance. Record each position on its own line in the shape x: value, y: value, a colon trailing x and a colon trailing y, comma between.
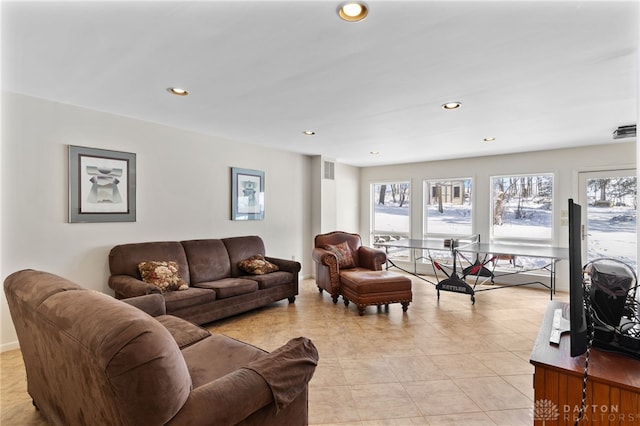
x: 329, y: 170
x: 625, y: 132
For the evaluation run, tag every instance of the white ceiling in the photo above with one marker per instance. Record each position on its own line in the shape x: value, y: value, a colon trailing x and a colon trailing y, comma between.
x: 533, y: 74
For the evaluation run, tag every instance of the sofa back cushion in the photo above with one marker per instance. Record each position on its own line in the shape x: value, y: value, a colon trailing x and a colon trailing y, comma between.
x: 92, y: 358
x: 125, y: 258
x: 241, y: 248
x: 208, y: 260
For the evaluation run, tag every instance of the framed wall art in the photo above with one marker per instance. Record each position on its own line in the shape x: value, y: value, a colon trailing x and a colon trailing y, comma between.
x: 247, y: 194
x: 102, y: 185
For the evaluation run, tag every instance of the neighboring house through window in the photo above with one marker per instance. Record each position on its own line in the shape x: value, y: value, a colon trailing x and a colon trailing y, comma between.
x: 448, y: 207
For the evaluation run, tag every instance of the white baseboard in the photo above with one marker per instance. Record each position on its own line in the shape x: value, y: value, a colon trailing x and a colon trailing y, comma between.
x: 9, y: 346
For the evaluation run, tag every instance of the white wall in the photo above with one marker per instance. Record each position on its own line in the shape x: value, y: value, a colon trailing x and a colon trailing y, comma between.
x: 347, y: 198
x: 183, y: 192
x: 335, y: 203
x: 565, y: 164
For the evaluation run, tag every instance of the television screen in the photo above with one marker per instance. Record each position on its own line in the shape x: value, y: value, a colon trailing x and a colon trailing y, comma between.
x: 577, y: 318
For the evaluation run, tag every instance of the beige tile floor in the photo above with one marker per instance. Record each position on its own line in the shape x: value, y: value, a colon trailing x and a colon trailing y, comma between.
x: 444, y: 362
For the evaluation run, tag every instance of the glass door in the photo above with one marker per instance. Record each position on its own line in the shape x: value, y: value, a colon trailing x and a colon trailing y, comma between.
x: 609, y: 222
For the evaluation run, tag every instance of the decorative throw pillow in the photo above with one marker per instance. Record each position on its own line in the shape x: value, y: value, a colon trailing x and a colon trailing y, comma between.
x: 343, y: 253
x: 163, y: 274
x: 257, y: 265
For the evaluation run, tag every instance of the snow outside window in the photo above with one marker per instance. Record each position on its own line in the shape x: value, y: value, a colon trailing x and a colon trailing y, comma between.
x: 448, y: 208
x: 522, y: 208
x: 390, y: 217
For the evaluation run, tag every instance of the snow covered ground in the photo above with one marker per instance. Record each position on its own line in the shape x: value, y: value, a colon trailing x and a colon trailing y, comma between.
x: 611, y: 232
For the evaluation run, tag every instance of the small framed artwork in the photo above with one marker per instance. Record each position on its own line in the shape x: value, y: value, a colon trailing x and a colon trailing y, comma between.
x: 102, y: 185
x: 247, y: 194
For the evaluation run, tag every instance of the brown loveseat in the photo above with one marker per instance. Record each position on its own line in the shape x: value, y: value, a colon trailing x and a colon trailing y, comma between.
x: 95, y: 360
x: 217, y: 287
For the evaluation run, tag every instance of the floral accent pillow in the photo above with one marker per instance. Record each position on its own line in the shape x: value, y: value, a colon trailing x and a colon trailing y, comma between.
x: 343, y: 253
x: 163, y: 274
x: 257, y: 265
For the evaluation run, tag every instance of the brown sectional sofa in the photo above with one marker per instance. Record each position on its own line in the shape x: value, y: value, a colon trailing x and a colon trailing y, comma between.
x: 218, y: 288
x: 94, y: 360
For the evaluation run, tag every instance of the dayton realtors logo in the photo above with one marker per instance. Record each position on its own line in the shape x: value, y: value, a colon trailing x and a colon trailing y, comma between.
x: 546, y: 411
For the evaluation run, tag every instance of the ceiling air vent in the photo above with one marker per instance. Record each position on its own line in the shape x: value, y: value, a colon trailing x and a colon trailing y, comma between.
x: 329, y: 170
x: 625, y: 132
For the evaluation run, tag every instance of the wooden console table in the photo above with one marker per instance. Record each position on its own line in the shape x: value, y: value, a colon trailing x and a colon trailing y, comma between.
x: 613, y: 387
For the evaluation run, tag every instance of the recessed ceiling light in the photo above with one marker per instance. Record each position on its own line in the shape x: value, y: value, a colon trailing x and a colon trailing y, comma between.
x: 177, y: 91
x: 489, y: 139
x: 452, y: 105
x: 309, y: 132
x: 374, y: 152
x: 353, y: 11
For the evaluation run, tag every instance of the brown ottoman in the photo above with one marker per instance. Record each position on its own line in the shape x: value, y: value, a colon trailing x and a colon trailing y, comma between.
x: 375, y: 288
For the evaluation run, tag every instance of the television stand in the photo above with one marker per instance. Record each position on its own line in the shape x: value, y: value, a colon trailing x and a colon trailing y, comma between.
x: 613, y: 386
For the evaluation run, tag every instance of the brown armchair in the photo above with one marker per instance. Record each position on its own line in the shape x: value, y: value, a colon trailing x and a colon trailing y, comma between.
x: 329, y: 264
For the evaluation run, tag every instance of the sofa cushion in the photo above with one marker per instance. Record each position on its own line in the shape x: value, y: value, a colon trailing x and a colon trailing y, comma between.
x: 273, y: 279
x: 230, y: 287
x: 218, y: 355
x: 366, y: 281
x: 184, y: 332
x: 208, y: 260
x: 163, y: 274
x: 124, y: 258
x: 343, y: 253
x: 240, y: 248
x: 257, y: 265
x: 175, y: 300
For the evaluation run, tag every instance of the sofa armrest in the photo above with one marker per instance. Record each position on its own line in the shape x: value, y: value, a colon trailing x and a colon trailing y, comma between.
x: 225, y: 401
x: 126, y: 286
x: 279, y: 377
x: 325, y: 258
x: 285, y: 265
x: 327, y: 271
x: 288, y: 369
x: 371, y: 258
x: 152, y: 304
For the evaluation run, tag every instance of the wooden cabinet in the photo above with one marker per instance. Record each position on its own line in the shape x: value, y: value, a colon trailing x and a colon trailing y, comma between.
x: 613, y: 385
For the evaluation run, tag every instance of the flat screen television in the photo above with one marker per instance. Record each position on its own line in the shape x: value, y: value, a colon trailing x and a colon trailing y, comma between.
x: 577, y: 317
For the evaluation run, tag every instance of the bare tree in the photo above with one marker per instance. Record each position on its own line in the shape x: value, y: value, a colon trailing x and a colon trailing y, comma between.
x: 439, y: 197
x: 382, y: 194
x: 404, y: 189
x: 498, y: 208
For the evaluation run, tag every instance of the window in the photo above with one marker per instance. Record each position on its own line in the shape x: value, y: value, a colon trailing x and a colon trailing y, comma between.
x: 609, y: 198
x: 448, y: 209
x: 390, y: 212
x: 522, y: 207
